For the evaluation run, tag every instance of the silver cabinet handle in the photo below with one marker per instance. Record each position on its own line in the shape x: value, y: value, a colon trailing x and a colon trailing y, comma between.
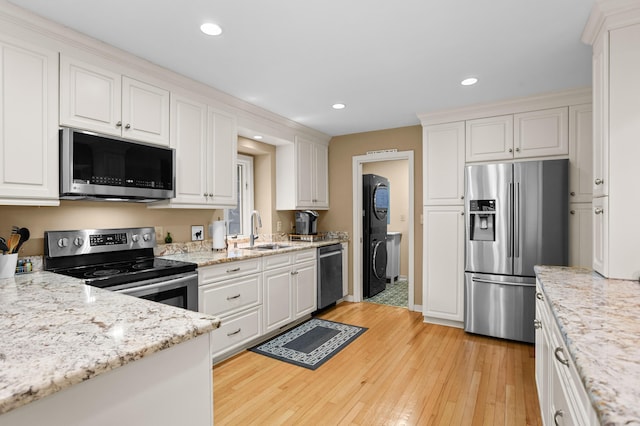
x: 128, y: 126
x: 572, y: 212
x: 537, y: 324
x: 233, y: 297
x: 294, y: 272
x: 598, y: 181
x: 119, y: 124
x: 232, y: 270
x: 510, y: 149
x: 598, y: 210
x: 557, y: 414
x: 572, y: 193
x: 233, y: 333
x: 561, y: 359
x: 539, y: 296
x: 462, y: 213
x: 462, y: 197
x: 517, y: 149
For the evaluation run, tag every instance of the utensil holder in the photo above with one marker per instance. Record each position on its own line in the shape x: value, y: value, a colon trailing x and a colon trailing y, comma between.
x: 8, y: 264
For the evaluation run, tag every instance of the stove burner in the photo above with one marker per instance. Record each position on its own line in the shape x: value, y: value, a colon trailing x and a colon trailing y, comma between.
x: 104, y: 273
x: 141, y: 266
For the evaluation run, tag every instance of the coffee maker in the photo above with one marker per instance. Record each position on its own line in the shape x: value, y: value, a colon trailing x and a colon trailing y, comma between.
x: 307, y: 222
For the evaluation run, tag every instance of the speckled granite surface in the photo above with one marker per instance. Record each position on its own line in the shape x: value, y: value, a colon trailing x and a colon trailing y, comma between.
x: 56, y: 332
x: 203, y: 255
x: 600, y: 322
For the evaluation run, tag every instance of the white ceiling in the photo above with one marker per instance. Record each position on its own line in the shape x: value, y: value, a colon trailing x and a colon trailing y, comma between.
x: 386, y: 60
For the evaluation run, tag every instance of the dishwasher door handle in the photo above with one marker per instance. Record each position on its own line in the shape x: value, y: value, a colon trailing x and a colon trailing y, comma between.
x: 332, y: 253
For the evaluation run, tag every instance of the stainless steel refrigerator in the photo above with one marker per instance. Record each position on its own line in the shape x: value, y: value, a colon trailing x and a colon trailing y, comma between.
x: 516, y: 217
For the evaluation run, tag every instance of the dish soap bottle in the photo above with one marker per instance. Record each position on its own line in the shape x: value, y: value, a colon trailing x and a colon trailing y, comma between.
x: 168, y: 238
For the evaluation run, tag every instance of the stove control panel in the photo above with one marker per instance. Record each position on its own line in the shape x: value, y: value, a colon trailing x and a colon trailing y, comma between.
x: 88, y: 241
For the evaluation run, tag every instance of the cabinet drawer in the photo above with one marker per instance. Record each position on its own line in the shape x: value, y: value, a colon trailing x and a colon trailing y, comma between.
x: 226, y: 270
x: 277, y: 261
x: 236, y: 331
x: 230, y: 296
x: 303, y: 256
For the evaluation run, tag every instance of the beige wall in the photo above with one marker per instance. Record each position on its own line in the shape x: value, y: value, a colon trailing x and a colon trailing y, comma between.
x: 397, y: 172
x: 339, y: 217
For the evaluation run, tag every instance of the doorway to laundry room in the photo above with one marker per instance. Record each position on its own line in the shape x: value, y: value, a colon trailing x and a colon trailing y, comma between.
x: 383, y: 223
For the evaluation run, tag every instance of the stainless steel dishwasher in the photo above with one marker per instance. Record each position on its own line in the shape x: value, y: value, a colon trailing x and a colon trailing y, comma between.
x: 329, y: 274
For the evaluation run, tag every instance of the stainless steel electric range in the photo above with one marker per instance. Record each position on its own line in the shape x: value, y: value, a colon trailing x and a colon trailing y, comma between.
x: 122, y: 260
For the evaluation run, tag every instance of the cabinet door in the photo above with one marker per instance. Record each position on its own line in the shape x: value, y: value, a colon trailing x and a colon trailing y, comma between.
x: 320, y: 176
x: 304, y: 170
x: 541, y: 133
x: 277, y: 298
x: 443, y: 164
x: 580, y: 153
x: 188, y: 137
x: 304, y: 289
x: 542, y: 359
x: 345, y: 269
x: 90, y: 97
x: 580, y: 235
x: 601, y: 235
x: 222, y: 152
x: 444, y: 263
x: 490, y: 139
x: 600, y: 77
x: 28, y: 125
x: 145, y: 112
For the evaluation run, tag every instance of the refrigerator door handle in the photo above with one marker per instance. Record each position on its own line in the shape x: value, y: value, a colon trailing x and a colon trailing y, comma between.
x: 480, y: 280
x: 509, y: 227
x: 516, y: 221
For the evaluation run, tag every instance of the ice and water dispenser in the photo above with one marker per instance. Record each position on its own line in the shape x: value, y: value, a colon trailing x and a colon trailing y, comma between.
x: 482, y: 220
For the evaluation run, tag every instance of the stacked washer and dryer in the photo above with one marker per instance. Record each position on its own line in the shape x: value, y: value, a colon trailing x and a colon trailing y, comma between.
x: 375, y: 197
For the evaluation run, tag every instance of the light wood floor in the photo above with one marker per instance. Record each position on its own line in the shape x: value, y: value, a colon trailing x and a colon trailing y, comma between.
x: 399, y: 372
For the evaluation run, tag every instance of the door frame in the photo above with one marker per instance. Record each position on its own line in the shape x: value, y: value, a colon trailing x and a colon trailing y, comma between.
x: 358, y: 161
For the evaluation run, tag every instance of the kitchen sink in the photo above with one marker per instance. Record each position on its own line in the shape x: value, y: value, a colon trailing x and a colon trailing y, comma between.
x: 267, y: 247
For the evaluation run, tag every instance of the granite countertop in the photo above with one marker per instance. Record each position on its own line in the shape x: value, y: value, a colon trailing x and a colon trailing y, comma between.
x: 599, y: 319
x: 203, y: 255
x: 55, y: 332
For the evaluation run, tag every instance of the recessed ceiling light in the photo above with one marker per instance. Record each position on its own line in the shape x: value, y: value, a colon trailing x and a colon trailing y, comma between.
x: 338, y: 106
x: 211, y: 29
x: 469, y: 81
x: 257, y: 137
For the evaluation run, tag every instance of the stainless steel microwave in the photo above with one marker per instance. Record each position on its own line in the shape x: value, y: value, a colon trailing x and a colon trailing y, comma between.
x: 95, y: 166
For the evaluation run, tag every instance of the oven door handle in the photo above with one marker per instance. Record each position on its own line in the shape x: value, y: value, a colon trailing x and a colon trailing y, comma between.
x: 156, y: 285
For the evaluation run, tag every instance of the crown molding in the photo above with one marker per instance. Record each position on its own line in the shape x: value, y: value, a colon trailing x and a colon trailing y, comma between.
x: 610, y: 14
x: 509, y: 106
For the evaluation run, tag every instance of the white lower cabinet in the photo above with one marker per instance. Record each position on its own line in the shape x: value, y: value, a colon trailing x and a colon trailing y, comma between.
x: 563, y: 398
x: 255, y: 297
x: 443, y: 291
x: 232, y: 292
x: 290, y: 289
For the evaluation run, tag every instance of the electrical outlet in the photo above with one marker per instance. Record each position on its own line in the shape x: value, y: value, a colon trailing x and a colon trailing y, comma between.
x: 279, y: 226
x: 159, y: 233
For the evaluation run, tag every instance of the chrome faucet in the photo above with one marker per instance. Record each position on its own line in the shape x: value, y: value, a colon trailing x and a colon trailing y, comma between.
x: 253, y: 237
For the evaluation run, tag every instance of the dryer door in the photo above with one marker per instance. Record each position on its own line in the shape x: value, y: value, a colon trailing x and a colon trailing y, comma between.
x: 379, y: 257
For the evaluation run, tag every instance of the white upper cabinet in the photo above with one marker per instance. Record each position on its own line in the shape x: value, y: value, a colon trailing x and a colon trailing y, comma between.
x: 302, y: 175
x: 205, y: 140
x: 28, y: 124
x: 97, y: 99
x: 600, y: 181
x: 222, y: 149
x: 531, y: 134
x: 490, y: 139
x: 541, y: 133
x: 580, y: 153
x: 443, y: 164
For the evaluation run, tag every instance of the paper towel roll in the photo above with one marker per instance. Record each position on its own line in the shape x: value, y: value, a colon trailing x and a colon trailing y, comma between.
x: 218, y: 235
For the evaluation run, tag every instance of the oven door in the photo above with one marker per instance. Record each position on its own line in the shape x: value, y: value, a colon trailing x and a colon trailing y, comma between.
x: 175, y: 290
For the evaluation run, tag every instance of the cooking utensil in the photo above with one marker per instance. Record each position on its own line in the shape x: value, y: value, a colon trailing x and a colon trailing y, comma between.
x: 24, y: 236
x: 14, y: 240
x: 3, y: 245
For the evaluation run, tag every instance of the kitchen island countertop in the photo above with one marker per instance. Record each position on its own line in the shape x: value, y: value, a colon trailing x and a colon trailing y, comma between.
x: 599, y: 319
x: 55, y: 332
